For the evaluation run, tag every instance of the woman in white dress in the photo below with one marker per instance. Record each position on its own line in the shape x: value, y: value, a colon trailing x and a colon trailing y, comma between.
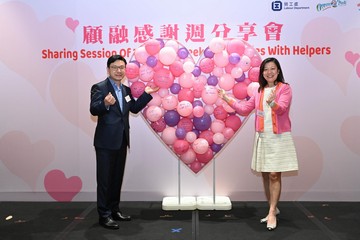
x: 274, y: 151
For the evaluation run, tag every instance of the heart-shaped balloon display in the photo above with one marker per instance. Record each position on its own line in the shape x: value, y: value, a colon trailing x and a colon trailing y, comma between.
x: 186, y: 113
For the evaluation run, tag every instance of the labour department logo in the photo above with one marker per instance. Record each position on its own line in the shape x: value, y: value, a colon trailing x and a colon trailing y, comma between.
x: 276, y: 5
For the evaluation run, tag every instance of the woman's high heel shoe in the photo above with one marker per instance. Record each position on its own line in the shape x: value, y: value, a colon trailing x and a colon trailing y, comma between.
x: 271, y: 227
x: 264, y: 220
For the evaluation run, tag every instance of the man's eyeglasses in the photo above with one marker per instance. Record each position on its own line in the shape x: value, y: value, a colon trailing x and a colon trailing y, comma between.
x: 115, y: 68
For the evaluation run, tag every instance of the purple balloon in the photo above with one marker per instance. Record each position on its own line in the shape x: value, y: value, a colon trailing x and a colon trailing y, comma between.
x: 183, y: 53
x: 240, y: 79
x: 208, y: 53
x: 136, y: 62
x: 212, y: 80
x: 234, y: 58
x: 197, y: 103
x: 151, y: 61
x: 171, y: 118
x: 180, y: 133
x: 197, y: 71
x: 175, y: 88
x: 216, y: 147
x: 202, y: 123
x: 162, y: 44
x: 197, y: 132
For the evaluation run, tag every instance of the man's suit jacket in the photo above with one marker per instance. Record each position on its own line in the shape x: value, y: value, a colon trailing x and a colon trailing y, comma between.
x: 112, y: 123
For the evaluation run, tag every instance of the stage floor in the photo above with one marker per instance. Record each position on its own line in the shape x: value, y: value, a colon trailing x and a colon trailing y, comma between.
x: 79, y: 220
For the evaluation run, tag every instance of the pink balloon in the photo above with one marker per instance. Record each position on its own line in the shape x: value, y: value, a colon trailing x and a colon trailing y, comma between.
x: 240, y: 90
x: 236, y: 72
x: 198, y: 111
x: 184, y: 108
x: 226, y: 82
x: 217, y: 126
x: 207, y: 65
x: 146, y: 73
x: 137, y: 88
x: 176, y: 68
x: 252, y: 88
x: 200, y: 146
x: 163, y: 92
x: 236, y: 46
x: 229, y: 68
x: 132, y: 70
x: 188, y: 157
x: 221, y: 59
x: 141, y: 55
x: 156, y: 101
x: 217, y: 45
x: 209, y: 95
x: 168, y: 135
x: 188, y: 66
x: 163, y: 78
x: 253, y: 74
x: 190, y: 137
x: 245, y: 63
x: 152, y: 46
x: 256, y: 61
x: 169, y: 102
x: 172, y: 44
x: 228, y: 133
x: 209, y: 109
x: 218, y: 71
x: 218, y: 138
x: 250, y: 52
x: 153, y: 113
x: 198, y: 85
x: 186, y: 80
x: 167, y: 55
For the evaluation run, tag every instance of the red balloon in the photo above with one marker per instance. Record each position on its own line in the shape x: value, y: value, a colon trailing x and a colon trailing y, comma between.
x: 186, y: 94
x: 220, y: 113
x: 159, y: 125
x: 207, y: 135
x: 186, y: 124
x: 206, y: 157
x: 180, y: 146
x: 196, y: 166
x: 233, y: 122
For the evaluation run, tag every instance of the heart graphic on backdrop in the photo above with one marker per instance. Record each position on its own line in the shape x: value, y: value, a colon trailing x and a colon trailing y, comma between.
x: 334, y: 65
x: 36, y: 44
x: 186, y: 113
x: 23, y: 158
x: 71, y: 23
x: 60, y: 188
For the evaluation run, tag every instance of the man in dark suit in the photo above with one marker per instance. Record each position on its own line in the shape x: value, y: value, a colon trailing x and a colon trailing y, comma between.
x: 111, y: 102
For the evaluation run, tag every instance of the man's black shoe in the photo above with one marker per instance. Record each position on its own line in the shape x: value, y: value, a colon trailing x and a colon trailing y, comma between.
x: 118, y: 216
x: 108, y: 222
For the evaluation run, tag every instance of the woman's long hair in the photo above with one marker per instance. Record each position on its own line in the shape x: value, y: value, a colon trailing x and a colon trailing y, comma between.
x: 262, y: 80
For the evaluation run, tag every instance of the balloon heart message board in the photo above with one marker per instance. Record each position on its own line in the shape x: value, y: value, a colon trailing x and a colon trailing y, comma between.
x: 186, y: 112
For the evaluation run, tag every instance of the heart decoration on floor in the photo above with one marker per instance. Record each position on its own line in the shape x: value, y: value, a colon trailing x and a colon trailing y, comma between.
x: 186, y: 113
